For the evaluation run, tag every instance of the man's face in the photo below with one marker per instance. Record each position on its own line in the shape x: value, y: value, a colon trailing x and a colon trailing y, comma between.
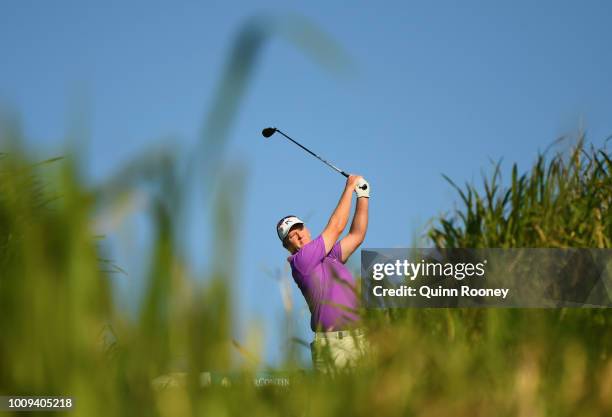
x: 298, y: 236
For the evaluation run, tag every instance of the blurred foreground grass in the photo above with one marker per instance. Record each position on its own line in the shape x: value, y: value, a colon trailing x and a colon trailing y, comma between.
x: 55, y: 302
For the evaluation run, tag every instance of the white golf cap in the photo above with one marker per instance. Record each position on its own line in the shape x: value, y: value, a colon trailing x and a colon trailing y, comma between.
x: 285, y: 224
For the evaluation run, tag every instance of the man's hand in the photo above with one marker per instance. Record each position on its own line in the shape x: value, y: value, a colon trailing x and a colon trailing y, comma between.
x: 362, y: 188
x: 352, y: 180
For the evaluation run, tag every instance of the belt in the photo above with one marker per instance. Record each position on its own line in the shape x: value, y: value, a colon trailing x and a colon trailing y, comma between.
x: 339, y: 334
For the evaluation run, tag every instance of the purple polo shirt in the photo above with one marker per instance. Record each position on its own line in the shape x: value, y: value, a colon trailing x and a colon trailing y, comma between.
x: 327, y: 285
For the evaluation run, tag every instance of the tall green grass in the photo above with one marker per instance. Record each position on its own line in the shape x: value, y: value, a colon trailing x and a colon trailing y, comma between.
x: 563, y: 202
x: 55, y: 302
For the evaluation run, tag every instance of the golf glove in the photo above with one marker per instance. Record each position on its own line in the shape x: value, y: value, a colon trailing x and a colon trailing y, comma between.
x: 362, y: 188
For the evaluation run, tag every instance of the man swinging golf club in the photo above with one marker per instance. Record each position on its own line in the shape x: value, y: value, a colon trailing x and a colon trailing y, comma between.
x: 317, y: 266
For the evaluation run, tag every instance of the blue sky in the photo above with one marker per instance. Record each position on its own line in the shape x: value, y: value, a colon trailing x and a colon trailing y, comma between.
x: 433, y: 87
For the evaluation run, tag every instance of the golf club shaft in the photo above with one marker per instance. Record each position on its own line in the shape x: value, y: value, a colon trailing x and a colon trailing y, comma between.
x: 314, y: 154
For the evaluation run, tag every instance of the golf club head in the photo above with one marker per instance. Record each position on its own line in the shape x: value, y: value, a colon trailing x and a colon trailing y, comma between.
x: 268, y: 131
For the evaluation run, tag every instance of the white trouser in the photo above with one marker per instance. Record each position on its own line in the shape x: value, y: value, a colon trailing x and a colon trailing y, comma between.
x: 341, y: 350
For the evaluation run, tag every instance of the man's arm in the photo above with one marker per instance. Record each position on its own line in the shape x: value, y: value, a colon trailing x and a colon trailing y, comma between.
x: 339, y: 218
x: 358, y: 229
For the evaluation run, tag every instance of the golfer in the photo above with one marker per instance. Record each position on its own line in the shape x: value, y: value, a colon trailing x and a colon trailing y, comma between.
x: 317, y: 266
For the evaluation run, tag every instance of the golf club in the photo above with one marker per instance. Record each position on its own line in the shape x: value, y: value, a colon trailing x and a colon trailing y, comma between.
x: 269, y: 131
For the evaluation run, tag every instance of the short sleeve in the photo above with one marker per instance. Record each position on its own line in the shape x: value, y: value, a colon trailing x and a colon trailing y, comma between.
x: 336, y: 251
x: 309, y: 256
